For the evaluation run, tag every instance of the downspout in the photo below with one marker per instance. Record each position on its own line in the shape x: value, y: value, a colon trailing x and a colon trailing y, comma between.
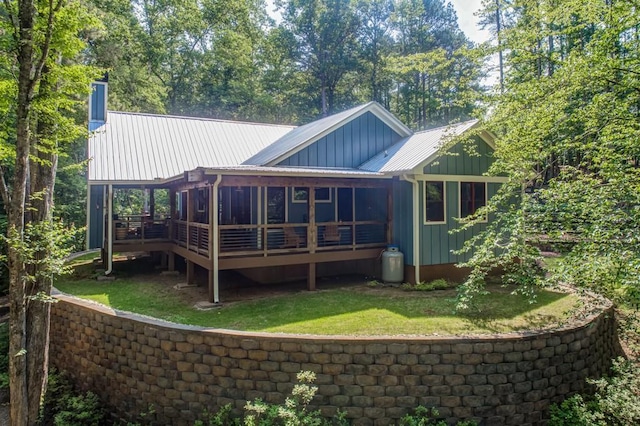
x: 109, y: 231
x: 216, y: 293
x: 416, y: 225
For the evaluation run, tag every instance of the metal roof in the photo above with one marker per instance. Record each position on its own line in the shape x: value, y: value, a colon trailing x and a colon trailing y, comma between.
x: 144, y: 147
x: 293, y: 171
x: 415, y: 150
x: 304, y: 136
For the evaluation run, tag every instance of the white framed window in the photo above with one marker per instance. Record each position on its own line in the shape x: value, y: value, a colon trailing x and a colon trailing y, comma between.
x: 301, y: 194
x: 435, y: 202
x: 473, y: 195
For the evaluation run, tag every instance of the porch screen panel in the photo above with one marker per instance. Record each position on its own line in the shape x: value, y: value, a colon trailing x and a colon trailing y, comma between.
x: 371, y: 208
x: 235, y: 205
x: 345, y: 204
x: 276, y: 205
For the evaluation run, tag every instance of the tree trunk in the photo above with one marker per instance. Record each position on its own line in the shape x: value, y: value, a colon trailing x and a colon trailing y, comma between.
x: 17, y: 278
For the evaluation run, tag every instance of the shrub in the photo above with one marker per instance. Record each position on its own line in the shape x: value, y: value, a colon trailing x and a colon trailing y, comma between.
x: 423, y: 416
x: 62, y: 406
x: 439, y: 284
x: 616, y: 401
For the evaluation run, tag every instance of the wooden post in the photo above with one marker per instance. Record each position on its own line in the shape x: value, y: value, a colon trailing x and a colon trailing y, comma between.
x: 312, y: 237
x: 172, y: 261
x: 190, y: 272
x: 172, y: 213
x: 152, y: 203
x: 190, y: 215
x: 311, y: 277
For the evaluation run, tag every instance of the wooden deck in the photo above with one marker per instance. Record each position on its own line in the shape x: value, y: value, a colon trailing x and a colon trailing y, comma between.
x: 247, y: 246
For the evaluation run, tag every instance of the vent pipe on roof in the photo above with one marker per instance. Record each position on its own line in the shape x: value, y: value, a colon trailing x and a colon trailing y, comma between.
x: 98, y: 102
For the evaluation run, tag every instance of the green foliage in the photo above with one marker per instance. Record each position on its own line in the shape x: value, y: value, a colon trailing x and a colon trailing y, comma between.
x: 567, y: 126
x: 293, y: 412
x: 616, y: 401
x: 63, y: 406
x: 575, y: 411
x: 44, y: 246
x: 423, y: 416
x: 439, y: 284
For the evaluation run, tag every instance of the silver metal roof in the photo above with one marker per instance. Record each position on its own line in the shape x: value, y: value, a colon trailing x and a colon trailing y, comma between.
x: 415, y: 150
x: 304, y: 136
x: 144, y: 147
x: 292, y: 171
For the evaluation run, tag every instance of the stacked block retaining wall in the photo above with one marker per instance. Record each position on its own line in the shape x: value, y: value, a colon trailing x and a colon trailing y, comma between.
x: 173, y: 373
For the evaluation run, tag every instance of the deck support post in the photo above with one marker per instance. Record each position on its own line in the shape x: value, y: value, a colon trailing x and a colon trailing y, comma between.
x: 190, y: 271
x: 311, y: 277
x: 171, y: 261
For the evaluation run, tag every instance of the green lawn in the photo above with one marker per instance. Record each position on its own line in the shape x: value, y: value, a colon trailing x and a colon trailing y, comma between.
x: 349, y: 310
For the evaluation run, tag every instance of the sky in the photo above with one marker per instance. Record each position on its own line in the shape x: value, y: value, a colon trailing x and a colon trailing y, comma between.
x: 467, y: 21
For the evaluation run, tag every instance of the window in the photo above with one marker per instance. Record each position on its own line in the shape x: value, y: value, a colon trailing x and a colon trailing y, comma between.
x: 434, y: 201
x: 301, y: 195
x: 473, y: 195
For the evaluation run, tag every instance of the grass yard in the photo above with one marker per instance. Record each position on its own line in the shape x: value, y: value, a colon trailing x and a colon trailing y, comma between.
x: 352, y: 309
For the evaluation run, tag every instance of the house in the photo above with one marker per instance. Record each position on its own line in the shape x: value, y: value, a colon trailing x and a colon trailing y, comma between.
x: 276, y: 201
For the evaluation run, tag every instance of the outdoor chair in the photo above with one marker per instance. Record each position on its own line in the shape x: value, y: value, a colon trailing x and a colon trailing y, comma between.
x: 331, y: 234
x: 291, y: 238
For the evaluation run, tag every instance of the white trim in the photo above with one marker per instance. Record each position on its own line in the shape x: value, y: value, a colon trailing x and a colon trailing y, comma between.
x: 216, y: 242
x: 486, y: 198
x: 461, y: 178
x: 444, y: 202
x: 109, y: 231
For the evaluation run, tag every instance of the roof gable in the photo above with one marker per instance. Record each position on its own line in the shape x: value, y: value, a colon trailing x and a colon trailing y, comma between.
x: 304, y: 136
x: 418, y: 150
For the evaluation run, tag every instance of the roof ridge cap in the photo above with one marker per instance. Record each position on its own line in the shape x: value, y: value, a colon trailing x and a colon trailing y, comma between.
x: 188, y: 117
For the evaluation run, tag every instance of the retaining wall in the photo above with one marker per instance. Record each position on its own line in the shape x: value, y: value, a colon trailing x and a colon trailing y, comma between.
x: 172, y: 373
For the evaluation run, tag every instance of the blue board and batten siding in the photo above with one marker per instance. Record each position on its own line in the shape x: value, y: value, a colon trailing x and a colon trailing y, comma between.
x: 348, y: 146
x: 459, y: 161
x: 403, y: 218
x: 438, y: 242
x: 96, y: 216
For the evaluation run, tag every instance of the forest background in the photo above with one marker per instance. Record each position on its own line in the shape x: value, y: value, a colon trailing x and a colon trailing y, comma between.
x: 565, y: 112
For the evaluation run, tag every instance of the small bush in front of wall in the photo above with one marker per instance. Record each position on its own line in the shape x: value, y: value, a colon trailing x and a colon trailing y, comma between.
x: 439, y: 284
x: 616, y: 400
x: 62, y: 406
x: 423, y: 416
x: 294, y: 411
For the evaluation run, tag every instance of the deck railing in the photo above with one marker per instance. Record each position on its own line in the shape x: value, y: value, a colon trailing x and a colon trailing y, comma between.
x: 139, y: 227
x: 192, y: 235
x: 283, y: 238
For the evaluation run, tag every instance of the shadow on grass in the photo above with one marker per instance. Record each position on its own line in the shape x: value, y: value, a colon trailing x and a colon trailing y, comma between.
x: 351, y: 307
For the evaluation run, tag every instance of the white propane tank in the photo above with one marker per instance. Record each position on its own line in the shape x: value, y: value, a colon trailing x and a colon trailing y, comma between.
x: 392, y: 265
